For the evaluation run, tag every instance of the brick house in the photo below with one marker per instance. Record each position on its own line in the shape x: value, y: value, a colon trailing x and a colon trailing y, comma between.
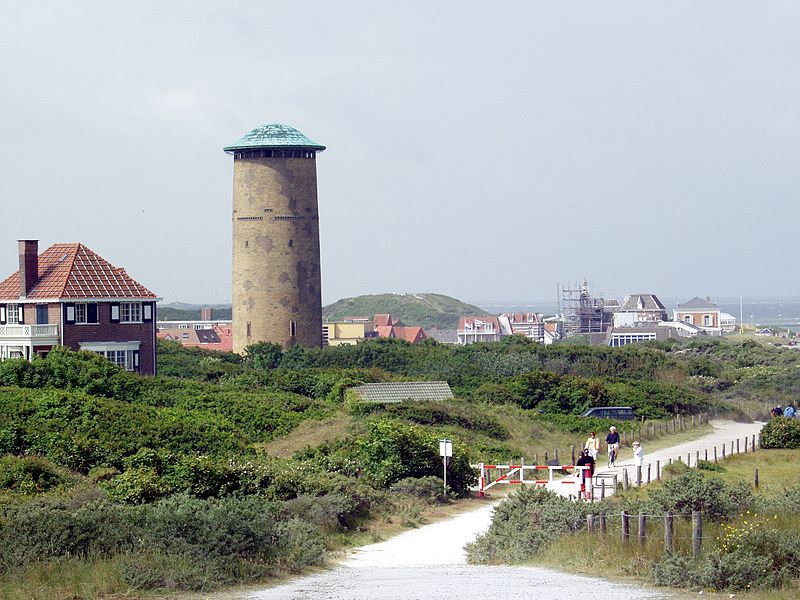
x: 71, y: 296
x: 706, y: 315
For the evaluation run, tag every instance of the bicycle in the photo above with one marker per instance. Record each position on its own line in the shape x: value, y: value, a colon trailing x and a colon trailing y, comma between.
x: 612, y: 455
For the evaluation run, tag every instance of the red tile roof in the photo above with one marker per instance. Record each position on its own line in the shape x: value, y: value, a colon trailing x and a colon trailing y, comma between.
x: 383, y: 320
x: 75, y: 271
x: 410, y: 334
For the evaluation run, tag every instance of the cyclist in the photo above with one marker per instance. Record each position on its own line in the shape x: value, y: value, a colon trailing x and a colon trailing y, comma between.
x: 612, y: 441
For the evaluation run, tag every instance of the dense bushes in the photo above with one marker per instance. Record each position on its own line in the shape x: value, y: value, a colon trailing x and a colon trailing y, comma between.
x: 693, y: 490
x: 387, y: 451
x: 750, y: 555
x: 781, y: 432
x: 214, y: 541
x: 523, y: 523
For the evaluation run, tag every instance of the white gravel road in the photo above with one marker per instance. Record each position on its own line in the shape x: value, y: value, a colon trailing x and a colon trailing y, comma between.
x: 430, y: 562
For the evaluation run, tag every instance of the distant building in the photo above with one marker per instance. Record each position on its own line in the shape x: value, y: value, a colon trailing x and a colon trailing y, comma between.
x: 485, y: 328
x: 345, y: 333
x: 528, y: 324
x: 705, y: 315
x: 443, y: 336
x: 622, y: 336
x: 199, y: 334
x: 71, y: 296
x: 552, y: 332
x: 352, y: 330
x: 640, y: 310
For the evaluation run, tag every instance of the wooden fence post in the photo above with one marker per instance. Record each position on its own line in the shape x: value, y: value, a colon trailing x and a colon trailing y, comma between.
x: 754, y: 442
x: 755, y: 478
x: 668, y: 530
x: 590, y: 523
x: 715, y: 455
x: 642, y: 528
x: 697, y: 533
x: 572, y: 452
x: 732, y: 447
x: 706, y: 455
x: 616, y: 483
x: 696, y: 458
x: 603, y: 523
x: 603, y: 489
x: 624, y: 479
x: 626, y: 526
x: 723, y: 451
x: 638, y: 475
x: 648, y: 472
x: 545, y: 457
x: 555, y: 455
x: 658, y: 470
x: 737, y: 446
x: 688, y: 459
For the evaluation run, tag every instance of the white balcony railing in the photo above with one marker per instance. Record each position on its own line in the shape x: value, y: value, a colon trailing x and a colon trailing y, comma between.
x: 29, y: 331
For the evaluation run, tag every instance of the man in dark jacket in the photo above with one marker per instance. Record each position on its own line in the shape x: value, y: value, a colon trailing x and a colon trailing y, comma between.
x: 586, y: 460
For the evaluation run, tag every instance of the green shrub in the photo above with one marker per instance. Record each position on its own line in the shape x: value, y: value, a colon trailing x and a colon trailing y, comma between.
x: 389, y: 451
x: 523, y: 523
x: 749, y: 556
x: 781, y: 432
x: 674, y: 469
x: 429, y: 488
x: 137, y: 486
x: 29, y: 475
x: 707, y: 465
x: 693, y: 490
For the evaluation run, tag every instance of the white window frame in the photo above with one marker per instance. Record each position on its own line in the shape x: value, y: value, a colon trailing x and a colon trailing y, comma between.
x: 81, y: 319
x: 12, y: 314
x: 129, y: 310
x: 120, y: 353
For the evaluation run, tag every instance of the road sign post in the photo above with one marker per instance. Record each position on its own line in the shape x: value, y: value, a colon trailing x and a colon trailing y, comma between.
x: 445, y: 451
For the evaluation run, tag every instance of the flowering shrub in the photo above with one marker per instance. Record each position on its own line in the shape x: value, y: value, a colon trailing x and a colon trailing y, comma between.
x: 781, y: 432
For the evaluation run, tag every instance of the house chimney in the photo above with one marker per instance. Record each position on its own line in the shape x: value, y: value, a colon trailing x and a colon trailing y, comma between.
x: 28, y: 266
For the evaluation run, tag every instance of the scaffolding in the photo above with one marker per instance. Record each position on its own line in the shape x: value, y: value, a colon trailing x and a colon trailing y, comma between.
x: 583, y: 313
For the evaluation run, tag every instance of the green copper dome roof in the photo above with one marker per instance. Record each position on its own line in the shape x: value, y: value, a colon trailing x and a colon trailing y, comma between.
x: 273, y: 135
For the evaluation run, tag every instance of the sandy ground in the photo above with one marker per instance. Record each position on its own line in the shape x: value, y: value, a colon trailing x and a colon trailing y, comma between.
x: 430, y: 562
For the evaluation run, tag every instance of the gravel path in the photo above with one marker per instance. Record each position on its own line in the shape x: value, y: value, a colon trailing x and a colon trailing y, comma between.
x: 430, y: 562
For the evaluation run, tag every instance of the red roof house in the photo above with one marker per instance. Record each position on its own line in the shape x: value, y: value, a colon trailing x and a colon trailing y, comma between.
x: 71, y: 296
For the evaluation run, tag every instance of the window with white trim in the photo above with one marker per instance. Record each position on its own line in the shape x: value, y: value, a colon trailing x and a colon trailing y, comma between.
x: 80, y: 313
x: 121, y: 358
x: 12, y: 314
x: 130, y: 312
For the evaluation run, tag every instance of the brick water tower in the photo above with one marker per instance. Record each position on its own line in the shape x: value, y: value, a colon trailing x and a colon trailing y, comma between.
x: 276, y: 261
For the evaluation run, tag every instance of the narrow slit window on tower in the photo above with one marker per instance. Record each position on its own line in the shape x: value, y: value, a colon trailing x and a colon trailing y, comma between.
x: 291, y: 243
x: 292, y: 328
x: 249, y: 329
x: 246, y: 244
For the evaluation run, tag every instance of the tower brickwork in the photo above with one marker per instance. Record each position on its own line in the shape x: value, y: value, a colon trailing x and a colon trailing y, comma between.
x: 276, y: 256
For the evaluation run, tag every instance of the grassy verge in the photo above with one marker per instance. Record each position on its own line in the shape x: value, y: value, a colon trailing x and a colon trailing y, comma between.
x: 608, y: 556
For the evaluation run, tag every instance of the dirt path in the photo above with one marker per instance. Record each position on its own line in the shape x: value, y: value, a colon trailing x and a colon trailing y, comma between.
x: 430, y: 562
x: 724, y: 432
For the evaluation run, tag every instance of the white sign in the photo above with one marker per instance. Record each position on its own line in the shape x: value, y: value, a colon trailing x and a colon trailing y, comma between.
x: 446, y: 448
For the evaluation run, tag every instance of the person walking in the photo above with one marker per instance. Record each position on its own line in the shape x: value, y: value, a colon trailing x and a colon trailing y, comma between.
x: 586, y: 460
x: 790, y: 410
x: 592, y: 445
x: 638, y: 454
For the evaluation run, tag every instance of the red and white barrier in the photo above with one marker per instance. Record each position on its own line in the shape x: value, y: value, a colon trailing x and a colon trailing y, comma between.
x: 515, y: 475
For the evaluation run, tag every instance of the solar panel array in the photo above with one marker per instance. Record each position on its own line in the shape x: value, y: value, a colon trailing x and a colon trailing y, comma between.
x: 400, y: 391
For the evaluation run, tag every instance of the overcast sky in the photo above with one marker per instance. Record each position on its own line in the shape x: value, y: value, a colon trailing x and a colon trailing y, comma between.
x: 478, y: 149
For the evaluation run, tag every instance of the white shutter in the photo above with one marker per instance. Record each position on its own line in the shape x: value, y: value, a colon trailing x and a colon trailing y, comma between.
x: 115, y: 312
x: 148, y: 311
x: 2, y: 314
x: 21, y: 309
x: 71, y: 314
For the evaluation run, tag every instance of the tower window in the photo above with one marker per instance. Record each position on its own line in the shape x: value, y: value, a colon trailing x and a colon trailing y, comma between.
x: 292, y: 328
x: 246, y: 244
x: 291, y: 243
x: 249, y: 330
